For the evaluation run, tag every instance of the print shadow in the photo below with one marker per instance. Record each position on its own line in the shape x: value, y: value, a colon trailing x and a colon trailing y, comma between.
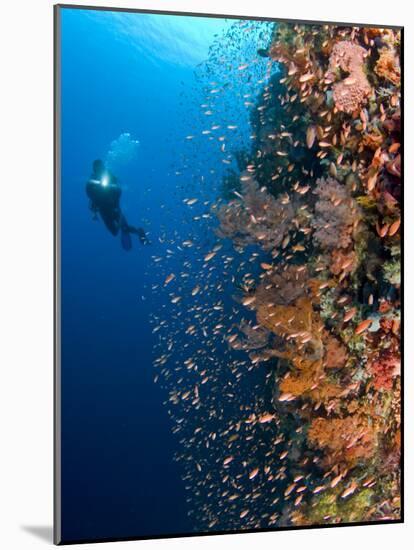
x: 44, y: 532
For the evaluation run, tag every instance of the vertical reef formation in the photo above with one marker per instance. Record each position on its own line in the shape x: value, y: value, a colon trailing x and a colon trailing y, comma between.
x: 320, y: 200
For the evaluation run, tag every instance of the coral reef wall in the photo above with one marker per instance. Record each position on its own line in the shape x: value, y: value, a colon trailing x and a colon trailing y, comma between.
x: 320, y: 199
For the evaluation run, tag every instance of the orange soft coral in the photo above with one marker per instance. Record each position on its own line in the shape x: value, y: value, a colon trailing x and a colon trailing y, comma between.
x: 388, y: 66
x: 297, y: 324
x: 348, y: 439
x: 309, y: 381
x: 304, y: 380
x: 372, y: 140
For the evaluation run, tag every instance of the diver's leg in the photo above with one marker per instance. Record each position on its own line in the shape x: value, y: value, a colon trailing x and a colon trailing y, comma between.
x: 111, y: 222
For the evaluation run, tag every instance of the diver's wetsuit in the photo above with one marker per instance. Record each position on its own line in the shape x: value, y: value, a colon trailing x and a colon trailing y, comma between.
x: 105, y: 201
x: 104, y: 195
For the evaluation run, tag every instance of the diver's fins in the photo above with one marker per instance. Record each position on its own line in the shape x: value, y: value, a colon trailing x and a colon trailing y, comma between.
x: 126, y: 240
x: 142, y: 236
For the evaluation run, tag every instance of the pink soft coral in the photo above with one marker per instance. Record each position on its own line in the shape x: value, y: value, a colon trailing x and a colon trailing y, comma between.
x: 283, y: 285
x: 256, y: 217
x: 388, y: 66
x: 336, y: 214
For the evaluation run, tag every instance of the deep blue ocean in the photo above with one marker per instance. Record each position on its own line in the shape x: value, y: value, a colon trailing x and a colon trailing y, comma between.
x: 133, y: 86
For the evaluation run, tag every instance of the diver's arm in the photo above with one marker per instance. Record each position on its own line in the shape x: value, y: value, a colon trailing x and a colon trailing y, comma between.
x: 89, y: 192
x: 90, y: 186
x: 105, y: 183
x: 92, y: 206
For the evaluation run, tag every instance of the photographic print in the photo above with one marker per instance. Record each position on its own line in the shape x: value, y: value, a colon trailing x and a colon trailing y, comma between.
x: 228, y: 274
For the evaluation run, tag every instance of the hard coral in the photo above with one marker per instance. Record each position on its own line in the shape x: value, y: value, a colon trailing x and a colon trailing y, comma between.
x: 350, y: 93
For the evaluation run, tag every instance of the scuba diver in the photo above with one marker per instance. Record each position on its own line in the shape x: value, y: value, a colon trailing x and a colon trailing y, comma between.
x: 104, y: 194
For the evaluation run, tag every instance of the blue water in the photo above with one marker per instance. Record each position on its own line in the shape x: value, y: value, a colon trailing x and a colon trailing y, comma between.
x: 136, y: 74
